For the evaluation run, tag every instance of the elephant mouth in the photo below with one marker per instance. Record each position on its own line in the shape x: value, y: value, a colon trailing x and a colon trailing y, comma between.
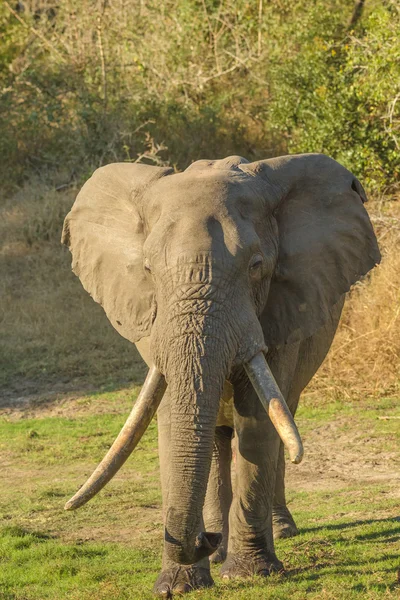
x: 148, y: 401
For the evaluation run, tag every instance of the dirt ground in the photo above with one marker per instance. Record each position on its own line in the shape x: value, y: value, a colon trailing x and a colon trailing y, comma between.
x: 337, y: 453
x: 337, y: 457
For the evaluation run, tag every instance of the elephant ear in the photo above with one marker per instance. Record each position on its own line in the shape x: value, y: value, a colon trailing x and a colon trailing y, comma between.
x: 105, y: 234
x: 326, y: 242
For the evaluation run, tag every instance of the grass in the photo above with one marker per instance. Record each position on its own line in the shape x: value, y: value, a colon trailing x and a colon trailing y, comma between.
x: 111, y: 548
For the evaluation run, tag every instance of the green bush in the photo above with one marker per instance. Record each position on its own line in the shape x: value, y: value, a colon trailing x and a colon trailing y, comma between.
x: 341, y: 94
x: 171, y: 81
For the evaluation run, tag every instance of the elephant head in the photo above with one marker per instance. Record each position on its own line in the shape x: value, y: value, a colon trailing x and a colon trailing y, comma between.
x: 214, y: 265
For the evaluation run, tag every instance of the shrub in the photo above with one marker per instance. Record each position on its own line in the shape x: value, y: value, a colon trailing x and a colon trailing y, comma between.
x: 340, y: 94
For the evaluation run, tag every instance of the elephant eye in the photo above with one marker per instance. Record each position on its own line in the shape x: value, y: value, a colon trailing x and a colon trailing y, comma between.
x: 146, y: 265
x: 255, y: 266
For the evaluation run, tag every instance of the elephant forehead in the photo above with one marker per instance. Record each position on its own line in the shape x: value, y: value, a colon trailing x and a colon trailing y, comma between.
x: 207, y: 191
x: 192, y: 234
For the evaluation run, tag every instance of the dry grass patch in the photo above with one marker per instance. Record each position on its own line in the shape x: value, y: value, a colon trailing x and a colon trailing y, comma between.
x: 365, y: 356
x: 52, y: 332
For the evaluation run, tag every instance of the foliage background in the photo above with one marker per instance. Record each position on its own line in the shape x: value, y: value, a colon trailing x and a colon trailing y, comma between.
x: 87, y: 82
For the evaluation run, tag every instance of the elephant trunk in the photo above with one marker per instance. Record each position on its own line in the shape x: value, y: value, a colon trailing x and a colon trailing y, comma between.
x: 199, y: 344
x: 196, y: 371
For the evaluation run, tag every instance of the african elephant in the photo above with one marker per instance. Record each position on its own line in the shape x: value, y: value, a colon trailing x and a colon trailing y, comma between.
x: 230, y: 278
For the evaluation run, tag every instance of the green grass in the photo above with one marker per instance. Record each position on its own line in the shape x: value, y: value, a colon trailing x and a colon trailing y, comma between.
x: 111, y: 548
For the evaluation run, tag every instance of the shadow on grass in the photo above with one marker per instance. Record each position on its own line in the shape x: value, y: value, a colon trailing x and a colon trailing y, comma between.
x: 30, y: 394
x: 379, y: 587
x: 14, y: 531
x: 315, y: 571
x: 328, y: 564
x: 358, y: 523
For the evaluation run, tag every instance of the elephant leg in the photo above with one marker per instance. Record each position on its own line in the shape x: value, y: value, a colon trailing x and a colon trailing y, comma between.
x: 283, y: 363
x: 310, y: 354
x: 219, y: 491
x: 283, y: 523
x: 251, y: 544
x: 174, y: 579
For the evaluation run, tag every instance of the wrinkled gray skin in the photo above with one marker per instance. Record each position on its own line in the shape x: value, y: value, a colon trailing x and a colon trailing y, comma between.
x: 202, y: 270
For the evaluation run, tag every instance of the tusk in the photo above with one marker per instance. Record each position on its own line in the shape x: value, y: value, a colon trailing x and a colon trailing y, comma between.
x: 272, y: 400
x: 136, y: 424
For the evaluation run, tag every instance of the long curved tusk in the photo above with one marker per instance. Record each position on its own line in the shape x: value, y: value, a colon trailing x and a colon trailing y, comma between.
x: 272, y: 400
x: 136, y: 424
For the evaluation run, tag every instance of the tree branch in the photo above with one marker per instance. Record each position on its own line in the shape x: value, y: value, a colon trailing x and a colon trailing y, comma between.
x: 357, y: 14
x: 34, y: 31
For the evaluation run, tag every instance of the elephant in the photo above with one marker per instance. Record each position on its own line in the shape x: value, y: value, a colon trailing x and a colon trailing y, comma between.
x: 230, y: 278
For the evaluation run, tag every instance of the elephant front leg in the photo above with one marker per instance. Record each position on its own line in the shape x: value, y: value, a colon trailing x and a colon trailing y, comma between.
x: 251, y: 544
x: 219, y: 491
x: 283, y: 523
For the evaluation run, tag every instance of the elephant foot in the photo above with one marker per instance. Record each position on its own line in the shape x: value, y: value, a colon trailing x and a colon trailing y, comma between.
x: 283, y: 523
x: 245, y: 566
x: 181, y: 580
